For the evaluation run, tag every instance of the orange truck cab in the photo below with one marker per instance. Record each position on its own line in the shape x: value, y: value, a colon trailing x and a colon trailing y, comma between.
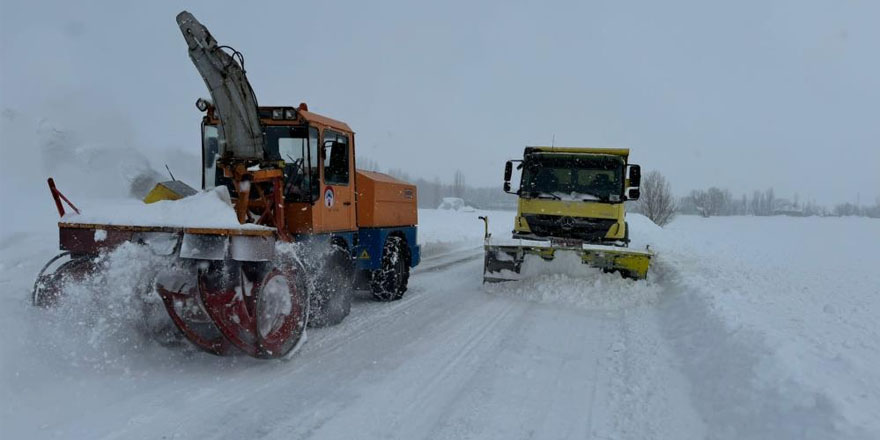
x: 326, y: 198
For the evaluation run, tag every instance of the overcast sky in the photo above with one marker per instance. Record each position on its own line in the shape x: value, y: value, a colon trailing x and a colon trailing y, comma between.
x: 744, y: 95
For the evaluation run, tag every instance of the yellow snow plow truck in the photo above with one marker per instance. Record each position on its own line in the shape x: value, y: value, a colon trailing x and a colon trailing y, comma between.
x: 571, y: 207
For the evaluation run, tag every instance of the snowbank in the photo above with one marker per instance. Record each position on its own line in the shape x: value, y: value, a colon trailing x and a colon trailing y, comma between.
x: 778, y: 317
x: 774, y: 319
x: 455, y: 204
x: 443, y: 230
x: 207, y: 209
x: 568, y: 282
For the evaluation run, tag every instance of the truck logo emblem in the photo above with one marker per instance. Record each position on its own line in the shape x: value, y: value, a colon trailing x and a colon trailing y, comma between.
x: 566, y: 223
x: 328, y: 197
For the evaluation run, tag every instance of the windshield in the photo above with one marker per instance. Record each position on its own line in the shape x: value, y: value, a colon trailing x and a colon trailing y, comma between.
x: 297, y: 146
x: 573, y: 177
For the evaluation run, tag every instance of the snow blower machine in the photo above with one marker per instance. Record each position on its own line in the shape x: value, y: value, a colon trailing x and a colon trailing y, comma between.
x: 571, y: 207
x: 284, y: 177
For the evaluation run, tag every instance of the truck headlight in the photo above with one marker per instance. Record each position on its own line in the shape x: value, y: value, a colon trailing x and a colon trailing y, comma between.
x: 202, y: 104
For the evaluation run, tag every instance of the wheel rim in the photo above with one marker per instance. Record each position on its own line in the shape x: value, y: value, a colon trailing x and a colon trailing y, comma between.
x: 49, y: 287
x: 273, y: 306
x: 280, y: 313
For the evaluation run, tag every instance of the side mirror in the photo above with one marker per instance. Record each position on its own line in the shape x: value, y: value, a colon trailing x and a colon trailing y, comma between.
x: 508, y: 171
x: 635, y: 175
x: 633, y: 194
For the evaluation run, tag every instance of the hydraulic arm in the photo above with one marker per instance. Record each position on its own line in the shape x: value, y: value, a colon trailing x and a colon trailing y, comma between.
x: 241, y: 135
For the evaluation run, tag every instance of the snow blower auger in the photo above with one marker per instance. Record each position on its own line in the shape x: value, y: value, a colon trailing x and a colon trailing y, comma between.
x: 570, y: 208
x: 227, y: 277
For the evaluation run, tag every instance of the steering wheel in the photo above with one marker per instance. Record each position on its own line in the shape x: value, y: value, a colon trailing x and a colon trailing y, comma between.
x: 297, y: 174
x: 295, y: 163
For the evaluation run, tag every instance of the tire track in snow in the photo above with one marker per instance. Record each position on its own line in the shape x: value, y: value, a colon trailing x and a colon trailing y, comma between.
x: 361, y: 324
x: 304, y: 398
x: 445, y: 382
x: 539, y: 382
x: 431, y: 351
x: 450, y: 259
x: 246, y: 378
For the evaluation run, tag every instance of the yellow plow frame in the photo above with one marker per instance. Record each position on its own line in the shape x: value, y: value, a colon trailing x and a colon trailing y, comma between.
x: 504, y: 258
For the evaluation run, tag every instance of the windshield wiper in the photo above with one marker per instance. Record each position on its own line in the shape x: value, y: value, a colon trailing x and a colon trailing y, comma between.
x: 540, y: 195
x: 593, y: 197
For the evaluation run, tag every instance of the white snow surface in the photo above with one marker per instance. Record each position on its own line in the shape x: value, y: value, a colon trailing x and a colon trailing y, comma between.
x: 747, y: 328
x: 206, y: 209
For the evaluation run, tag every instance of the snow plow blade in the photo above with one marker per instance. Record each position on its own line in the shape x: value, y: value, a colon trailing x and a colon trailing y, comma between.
x: 511, y: 262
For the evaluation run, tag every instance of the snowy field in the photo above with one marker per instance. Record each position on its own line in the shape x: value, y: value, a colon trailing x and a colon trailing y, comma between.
x: 746, y: 328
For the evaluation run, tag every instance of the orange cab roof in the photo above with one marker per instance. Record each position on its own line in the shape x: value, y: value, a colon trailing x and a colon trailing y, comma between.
x: 323, y: 120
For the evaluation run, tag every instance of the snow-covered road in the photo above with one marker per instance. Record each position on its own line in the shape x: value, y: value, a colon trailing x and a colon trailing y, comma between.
x: 447, y: 362
x: 599, y: 358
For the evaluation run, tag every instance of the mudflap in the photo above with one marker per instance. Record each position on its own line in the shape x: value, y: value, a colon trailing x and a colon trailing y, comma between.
x: 511, y: 262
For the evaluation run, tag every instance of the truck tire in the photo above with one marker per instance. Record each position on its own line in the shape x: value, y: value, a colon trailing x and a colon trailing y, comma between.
x: 389, y: 283
x: 330, y: 302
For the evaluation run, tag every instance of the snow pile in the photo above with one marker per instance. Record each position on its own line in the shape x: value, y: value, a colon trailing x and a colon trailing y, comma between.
x: 111, y: 314
x: 773, y: 320
x: 643, y: 232
x: 455, y: 204
x: 572, y: 196
x: 776, y: 317
x: 442, y: 231
x: 114, y: 317
x: 750, y: 392
x: 207, y: 209
x: 567, y: 281
x: 596, y: 292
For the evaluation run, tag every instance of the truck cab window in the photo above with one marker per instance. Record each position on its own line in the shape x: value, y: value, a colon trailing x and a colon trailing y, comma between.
x: 297, y: 147
x: 210, y: 153
x: 335, y: 158
x: 560, y: 175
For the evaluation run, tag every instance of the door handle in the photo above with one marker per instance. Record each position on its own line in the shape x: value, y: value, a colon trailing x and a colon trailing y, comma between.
x: 346, y: 203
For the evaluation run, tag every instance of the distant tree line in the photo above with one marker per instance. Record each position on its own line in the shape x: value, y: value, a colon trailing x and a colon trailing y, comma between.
x: 719, y: 202
x: 658, y: 203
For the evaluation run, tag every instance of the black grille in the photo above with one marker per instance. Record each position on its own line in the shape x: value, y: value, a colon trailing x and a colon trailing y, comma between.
x: 588, y: 229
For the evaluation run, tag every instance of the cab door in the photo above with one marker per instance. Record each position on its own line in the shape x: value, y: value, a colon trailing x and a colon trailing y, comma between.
x: 336, y: 198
